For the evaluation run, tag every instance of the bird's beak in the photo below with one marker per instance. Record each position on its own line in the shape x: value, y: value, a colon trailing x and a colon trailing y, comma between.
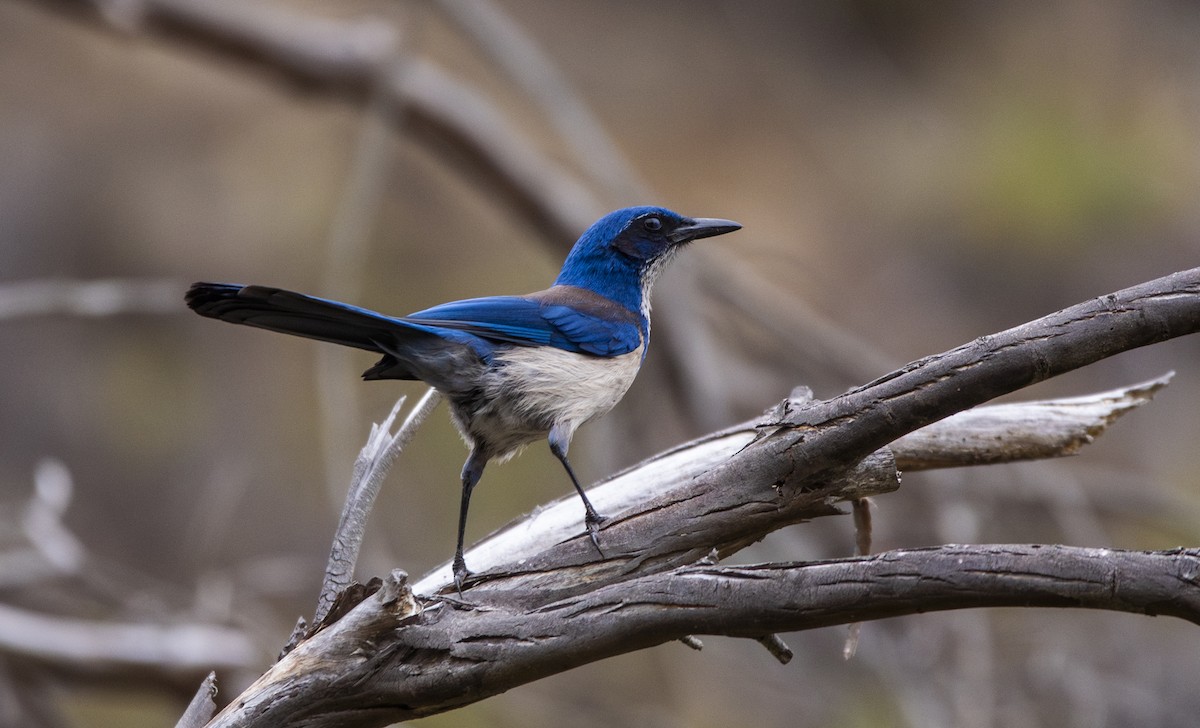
x: 702, y: 227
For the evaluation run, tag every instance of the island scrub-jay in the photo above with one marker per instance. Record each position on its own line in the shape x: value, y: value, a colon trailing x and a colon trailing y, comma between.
x: 513, y: 368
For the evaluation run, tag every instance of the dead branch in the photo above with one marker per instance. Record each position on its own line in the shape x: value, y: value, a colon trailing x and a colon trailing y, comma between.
x: 394, y: 656
x: 990, y: 434
x: 1005, y: 433
x: 202, y: 706
x: 370, y: 469
x: 439, y: 657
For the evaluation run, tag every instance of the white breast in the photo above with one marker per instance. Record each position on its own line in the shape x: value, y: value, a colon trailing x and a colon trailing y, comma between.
x: 532, y: 389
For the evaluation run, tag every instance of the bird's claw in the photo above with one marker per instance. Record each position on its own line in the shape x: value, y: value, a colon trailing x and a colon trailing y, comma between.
x: 460, y: 574
x: 594, y: 521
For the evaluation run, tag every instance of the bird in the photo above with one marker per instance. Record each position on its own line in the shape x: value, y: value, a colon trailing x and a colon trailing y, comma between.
x: 514, y: 369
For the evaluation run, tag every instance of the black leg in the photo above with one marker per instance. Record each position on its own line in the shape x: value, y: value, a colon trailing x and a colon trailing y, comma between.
x: 472, y: 470
x: 591, y: 519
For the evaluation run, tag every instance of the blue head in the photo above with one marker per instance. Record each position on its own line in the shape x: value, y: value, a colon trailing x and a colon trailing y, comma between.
x: 622, y: 253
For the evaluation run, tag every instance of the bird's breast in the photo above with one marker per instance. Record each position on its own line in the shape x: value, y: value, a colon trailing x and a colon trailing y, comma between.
x: 529, y: 390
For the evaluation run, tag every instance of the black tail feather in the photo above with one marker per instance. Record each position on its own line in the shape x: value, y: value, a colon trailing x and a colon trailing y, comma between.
x: 287, y: 312
x: 409, y: 351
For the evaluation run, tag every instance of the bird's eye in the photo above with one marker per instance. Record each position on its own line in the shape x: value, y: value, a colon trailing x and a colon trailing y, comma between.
x: 653, y: 224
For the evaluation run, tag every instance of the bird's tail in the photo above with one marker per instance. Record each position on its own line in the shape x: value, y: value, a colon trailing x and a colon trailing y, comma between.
x: 288, y: 312
x: 410, y: 351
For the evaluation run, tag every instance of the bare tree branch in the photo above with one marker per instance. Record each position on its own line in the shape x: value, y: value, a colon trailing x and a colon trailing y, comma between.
x: 203, y: 706
x: 1043, y: 429
x: 930, y: 389
x: 548, y: 611
x: 442, y: 658
x: 370, y: 469
x: 1004, y: 433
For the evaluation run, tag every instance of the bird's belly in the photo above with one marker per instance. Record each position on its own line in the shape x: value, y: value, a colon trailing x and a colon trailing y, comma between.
x: 530, y: 390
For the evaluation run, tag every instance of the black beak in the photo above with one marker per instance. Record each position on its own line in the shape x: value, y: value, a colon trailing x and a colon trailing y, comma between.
x: 702, y: 227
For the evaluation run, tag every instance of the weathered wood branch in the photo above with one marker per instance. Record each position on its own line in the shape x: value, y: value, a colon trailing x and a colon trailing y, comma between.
x: 930, y: 389
x: 1005, y: 433
x: 799, y: 448
x: 370, y: 469
x: 438, y: 657
x: 395, y: 656
x: 984, y: 435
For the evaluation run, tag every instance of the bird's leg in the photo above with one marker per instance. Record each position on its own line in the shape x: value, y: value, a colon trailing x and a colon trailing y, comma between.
x: 471, y: 472
x: 559, y: 441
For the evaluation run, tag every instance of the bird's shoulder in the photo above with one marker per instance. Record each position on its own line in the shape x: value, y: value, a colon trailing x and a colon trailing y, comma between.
x: 598, y: 325
x: 584, y: 302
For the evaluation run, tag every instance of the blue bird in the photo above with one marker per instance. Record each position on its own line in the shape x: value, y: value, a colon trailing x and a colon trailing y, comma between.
x: 514, y: 369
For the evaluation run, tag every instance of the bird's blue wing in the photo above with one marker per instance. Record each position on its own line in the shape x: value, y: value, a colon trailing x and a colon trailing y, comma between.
x: 533, y: 321
x: 509, y: 319
x: 593, y: 334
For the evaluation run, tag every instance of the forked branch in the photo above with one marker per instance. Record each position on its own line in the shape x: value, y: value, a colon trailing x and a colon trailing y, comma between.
x: 396, y: 655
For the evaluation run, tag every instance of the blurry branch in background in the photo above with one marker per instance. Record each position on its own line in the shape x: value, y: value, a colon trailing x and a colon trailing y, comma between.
x: 89, y: 298
x: 177, y: 648
x: 540, y: 79
x: 108, y: 648
x: 551, y: 605
x: 347, y: 246
x: 55, y: 550
x: 363, y: 59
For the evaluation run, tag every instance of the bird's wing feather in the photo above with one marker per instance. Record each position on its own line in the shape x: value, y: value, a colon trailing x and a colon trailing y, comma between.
x: 534, y: 321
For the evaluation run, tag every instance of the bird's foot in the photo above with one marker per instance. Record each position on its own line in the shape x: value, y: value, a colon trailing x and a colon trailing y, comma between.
x: 594, y: 521
x: 460, y: 573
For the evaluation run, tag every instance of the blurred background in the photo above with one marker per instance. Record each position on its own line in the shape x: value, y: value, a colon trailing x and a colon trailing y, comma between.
x: 910, y: 175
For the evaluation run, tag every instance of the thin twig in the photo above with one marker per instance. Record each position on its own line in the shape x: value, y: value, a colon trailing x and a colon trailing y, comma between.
x: 203, y: 705
x: 862, y: 547
x: 370, y: 469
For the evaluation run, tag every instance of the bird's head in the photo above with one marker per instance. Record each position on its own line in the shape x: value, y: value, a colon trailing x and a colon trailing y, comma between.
x: 622, y: 253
